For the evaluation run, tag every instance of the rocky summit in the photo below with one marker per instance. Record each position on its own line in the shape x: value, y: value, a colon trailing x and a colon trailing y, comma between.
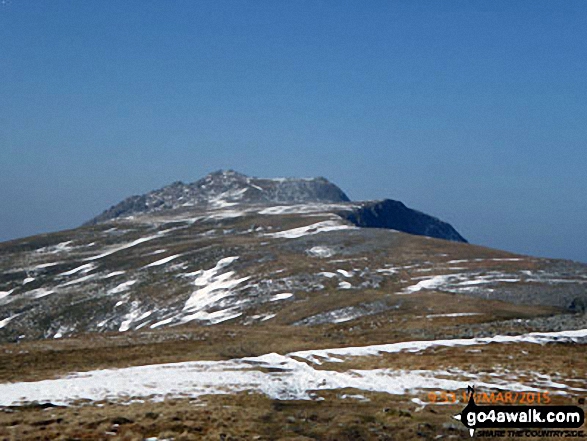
x: 273, y: 291
x: 223, y: 189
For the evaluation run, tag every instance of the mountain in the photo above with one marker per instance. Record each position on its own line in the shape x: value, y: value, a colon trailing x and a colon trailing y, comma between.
x: 233, y: 248
x: 277, y: 305
x: 223, y: 189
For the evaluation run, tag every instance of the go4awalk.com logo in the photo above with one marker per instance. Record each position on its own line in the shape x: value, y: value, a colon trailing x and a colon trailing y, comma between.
x: 520, y: 417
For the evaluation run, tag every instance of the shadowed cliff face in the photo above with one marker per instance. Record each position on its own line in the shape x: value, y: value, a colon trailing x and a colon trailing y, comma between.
x: 396, y: 216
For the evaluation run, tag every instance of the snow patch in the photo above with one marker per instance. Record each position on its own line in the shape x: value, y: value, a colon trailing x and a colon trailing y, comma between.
x: 40, y: 292
x: 76, y: 281
x: 162, y: 322
x: 460, y: 282
x: 46, y: 265
x: 276, y: 376
x: 283, y: 296
x: 320, y: 251
x: 6, y: 293
x: 125, y: 246
x: 7, y: 320
x: 61, y: 331
x: 215, y: 287
x: 114, y: 273
x: 54, y: 249
x: 122, y: 287
x: 454, y: 314
x: 134, y: 315
x: 163, y: 261
x: 419, y: 346
x: 319, y: 227
x: 83, y: 269
x: 304, y: 209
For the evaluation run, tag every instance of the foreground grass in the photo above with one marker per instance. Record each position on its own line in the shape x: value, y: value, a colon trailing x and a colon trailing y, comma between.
x: 340, y: 416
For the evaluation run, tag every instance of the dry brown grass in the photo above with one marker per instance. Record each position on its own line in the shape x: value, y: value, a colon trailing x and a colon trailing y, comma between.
x: 240, y: 417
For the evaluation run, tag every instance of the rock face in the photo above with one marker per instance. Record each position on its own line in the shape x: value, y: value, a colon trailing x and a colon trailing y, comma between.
x: 396, y: 216
x: 223, y: 189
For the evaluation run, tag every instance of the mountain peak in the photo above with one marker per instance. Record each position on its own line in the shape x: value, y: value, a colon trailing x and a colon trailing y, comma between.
x: 225, y: 188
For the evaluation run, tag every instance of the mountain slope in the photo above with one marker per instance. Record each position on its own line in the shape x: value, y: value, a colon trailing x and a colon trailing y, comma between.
x: 288, y: 319
x: 289, y: 265
x: 220, y: 250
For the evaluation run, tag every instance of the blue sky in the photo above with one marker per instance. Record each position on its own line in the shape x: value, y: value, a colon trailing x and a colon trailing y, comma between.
x: 473, y: 111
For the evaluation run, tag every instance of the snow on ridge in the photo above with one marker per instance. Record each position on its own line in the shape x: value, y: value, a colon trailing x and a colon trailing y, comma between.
x: 319, y: 227
x: 461, y: 282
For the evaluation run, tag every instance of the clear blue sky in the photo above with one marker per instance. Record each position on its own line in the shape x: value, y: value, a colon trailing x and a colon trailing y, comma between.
x: 473, y: 111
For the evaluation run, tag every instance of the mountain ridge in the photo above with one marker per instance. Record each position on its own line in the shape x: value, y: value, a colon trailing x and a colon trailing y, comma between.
x: 227, y: 188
